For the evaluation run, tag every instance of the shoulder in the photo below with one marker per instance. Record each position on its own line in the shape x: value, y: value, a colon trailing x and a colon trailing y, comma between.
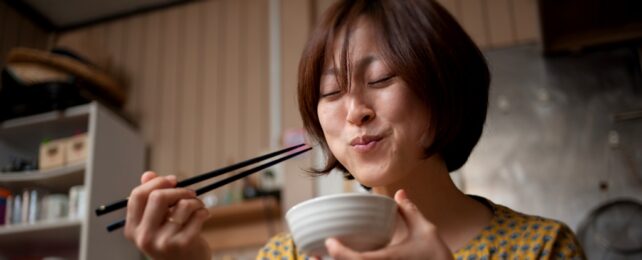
x: 512, y: 234
x: 542, y: 236
x: 279, y: 247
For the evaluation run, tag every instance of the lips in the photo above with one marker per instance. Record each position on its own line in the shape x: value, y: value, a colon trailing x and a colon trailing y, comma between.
x: 365, y: 139
x: 365, y: 143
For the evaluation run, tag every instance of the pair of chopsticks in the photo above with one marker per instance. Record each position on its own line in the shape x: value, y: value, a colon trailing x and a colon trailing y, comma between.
x: 104, y: 209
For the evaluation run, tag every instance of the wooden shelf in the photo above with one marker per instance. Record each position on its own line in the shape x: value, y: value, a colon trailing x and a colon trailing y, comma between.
x: 40, y: 227
x: 56, y: 179
x: 24, y: 135
x: 115, y: 157
x: 246, y: 224
x: 46, y: 118
x: 24, y: 237
x: 261, y: 208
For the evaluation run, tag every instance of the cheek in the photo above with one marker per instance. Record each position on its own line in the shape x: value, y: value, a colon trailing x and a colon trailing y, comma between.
x: 395, y: 106
x: 325, y: 119
x: 405, y: 111
x: 332, y: 126
x: 329, y: 118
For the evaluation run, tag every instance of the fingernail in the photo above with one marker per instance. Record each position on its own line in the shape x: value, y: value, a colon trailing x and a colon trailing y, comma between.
x: 405, y: 200
x: 402, y: 195
x: 171, y: 178
x: 330, y: 242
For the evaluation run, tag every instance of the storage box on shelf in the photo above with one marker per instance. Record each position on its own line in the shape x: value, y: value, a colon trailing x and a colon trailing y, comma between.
x: 100, y: 167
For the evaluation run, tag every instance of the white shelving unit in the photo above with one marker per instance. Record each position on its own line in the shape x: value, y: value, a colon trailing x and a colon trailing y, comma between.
x: 115, y: 160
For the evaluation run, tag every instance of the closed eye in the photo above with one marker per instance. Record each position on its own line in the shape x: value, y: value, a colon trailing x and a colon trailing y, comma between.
x: 329, y: 94
x: 382, y: 80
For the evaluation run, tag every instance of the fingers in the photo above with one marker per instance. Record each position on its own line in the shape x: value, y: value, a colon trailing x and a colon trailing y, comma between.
x: 150, y: 204
x: 160, y: 201
x: 179, y: 225
x: 421, y: 230
x: 338, y: 251
x: 139, y: 196
x: 410, y: 213
x: 147, y: 176
x: 181, y: 213
x: 192, y: 228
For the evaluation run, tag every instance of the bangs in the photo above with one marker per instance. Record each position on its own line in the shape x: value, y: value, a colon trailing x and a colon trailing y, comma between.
x: 341, y: 29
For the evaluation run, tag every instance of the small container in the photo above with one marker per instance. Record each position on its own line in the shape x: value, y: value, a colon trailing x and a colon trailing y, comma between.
x: 77, y: 202
x: 52, y: 154
x: 55, y: 206
x: 8, y: 214
x: 16, y: 211
x: 4, y: 199
x: 24, y: 216
x: 76, y: 148
x: 35, y: 203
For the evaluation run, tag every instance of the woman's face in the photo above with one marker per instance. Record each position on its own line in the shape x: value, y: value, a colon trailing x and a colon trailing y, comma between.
x: 376, y: 126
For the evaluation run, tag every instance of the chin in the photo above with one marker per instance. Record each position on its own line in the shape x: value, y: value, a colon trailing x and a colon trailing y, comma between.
x: 373, y: 177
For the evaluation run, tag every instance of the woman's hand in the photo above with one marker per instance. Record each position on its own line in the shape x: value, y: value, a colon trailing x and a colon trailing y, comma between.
x: 422, y: 240
x: 165, y: 222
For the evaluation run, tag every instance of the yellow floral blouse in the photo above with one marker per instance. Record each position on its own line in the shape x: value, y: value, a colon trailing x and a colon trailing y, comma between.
x: 510, y: 235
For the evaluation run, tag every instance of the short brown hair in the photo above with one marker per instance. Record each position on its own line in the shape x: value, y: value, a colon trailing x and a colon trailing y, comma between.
x: 424, y: 45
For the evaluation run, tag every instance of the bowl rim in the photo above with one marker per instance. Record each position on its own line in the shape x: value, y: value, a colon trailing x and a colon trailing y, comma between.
x: 335, y: 196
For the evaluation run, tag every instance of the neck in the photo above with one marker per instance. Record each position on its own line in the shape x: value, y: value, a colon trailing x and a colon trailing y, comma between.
x: 458, y: 217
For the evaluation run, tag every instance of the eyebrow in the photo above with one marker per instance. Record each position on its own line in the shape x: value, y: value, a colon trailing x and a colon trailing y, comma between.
x: 361, y: 64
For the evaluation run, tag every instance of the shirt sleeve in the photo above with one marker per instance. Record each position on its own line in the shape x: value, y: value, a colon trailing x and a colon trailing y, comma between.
x: 279, y: 247
x: 566, y: 245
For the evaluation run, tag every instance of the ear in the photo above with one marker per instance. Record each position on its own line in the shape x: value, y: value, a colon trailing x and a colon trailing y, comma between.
x: 427, y: 138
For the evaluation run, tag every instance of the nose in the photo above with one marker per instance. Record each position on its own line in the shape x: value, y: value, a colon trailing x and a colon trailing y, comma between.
x: 359, y: 112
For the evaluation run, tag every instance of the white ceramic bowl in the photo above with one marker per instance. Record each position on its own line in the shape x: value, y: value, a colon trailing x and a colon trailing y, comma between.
x: 360, y: 221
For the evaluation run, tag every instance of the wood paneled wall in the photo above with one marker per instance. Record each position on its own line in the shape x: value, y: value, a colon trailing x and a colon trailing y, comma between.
x: 296, y: 23
x: 197, y: 77
x: 17, y: 30
x: 496, y: 23
x: 491, y: 23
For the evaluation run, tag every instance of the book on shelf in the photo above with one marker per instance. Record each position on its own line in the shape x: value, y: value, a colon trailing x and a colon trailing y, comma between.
x: 36, y: 205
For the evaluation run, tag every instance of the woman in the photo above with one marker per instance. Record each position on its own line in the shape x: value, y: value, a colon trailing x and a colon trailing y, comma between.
x: 396, y: 94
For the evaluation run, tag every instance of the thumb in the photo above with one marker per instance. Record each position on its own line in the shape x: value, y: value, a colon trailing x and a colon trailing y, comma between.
x: 409, y: 211
x: 338, y: 251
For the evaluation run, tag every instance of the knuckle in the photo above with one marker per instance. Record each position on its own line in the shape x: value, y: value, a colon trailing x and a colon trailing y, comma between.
x: 163, y: 246
x: 201, y: 204
x: 204, y: 214
x: 188, y: 192
x: 156, y: 196
x: 410, y: 206
x: 137, y: 193
x: 144, y: 242
x: 128, y: 232
x: 183, y: 204
x: 182, y: 242
x: 196, y: 204
x: 429, y: 230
